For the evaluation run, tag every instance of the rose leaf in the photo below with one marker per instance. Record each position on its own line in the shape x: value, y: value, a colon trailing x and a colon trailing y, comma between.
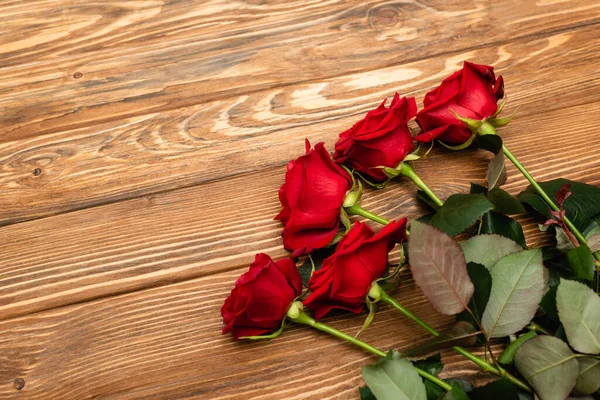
x: 579, y: 311
x: 439, y: 268
x: 517, y: 289
x: 460, y: 334
x: 549, y: 366
x: 581, y: 261
x: 488, y: 249
x: 503, y: 225
x: 394, y: 378
x: 460, y: 211
x: 496, y: 173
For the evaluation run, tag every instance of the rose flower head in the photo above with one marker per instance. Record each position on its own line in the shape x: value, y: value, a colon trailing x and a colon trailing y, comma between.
x: 261, y: 297
x: 346, y: 276
x: 472, y: 92
x: 312, y: 196
x: 380, y: 139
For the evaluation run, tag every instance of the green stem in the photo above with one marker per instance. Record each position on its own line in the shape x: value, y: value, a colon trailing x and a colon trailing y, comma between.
x: 546, y: 198
x: 410, y: 173
x: 303, y: 318
x: 484, y: 365
x: 358, y: 210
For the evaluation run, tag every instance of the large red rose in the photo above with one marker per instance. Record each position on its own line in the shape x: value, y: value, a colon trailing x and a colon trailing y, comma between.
x: 312, y: 195
x: 380, y: 139
x: 346, y: 276
x: 261, y: 297
x: 471, y: 92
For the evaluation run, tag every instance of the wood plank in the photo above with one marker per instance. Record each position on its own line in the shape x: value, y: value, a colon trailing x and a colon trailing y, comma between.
x: 89, y: 64
x: 166, y: 343
x: 219, y: 226
x: 138, y: 156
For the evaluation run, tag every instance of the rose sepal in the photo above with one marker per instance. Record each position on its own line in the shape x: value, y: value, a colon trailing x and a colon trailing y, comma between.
x: 269, y: 336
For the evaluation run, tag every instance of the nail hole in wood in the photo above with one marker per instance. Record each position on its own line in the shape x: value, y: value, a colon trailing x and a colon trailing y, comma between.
x: 77, y: 75
x: 37, y: 172
x: 19, y: 383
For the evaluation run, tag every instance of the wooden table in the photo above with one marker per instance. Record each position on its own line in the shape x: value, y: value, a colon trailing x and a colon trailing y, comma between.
x: 142, y: 145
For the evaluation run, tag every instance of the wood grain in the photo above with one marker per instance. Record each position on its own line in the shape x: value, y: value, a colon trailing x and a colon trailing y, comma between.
x: 138, y: 156
x: 218, y: 226
x: 166, y: 343
x: 95, y: 62
x: 143, y: 143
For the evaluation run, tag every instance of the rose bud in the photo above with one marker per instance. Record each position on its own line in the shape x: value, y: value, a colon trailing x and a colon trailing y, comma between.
x: 470, y: 93
x: 261, y: 297
x: 312, y: 196
x: 380, y: 139
x: 346, y: 276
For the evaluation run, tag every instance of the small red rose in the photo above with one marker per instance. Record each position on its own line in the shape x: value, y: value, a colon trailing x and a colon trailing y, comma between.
x: 312, y: 196
x: 382, y: 138
x: 472, y: 92
x: 346, y: 276
x: 261, y: 297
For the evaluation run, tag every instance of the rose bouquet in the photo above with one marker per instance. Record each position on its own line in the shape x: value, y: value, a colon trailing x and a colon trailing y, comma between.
x: 542, y: 302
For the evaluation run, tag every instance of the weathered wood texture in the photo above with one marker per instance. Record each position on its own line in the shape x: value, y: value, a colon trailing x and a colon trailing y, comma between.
x: 143, y: 144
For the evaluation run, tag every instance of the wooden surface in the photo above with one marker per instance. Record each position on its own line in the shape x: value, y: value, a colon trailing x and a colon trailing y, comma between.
x: 142, y: 144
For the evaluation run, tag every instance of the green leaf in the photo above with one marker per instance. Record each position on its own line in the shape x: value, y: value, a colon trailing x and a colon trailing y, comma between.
x: 432, y: 364
x: 487, y: 250
x: 427, y: 200
x: 457, y: 393
x: 588, y: 380
x: 583, y: 206
x: 548, y: 303
x: 517, y: 288
x: 459, y: 212
x: 394, y: 378
x: 460, y: 334
x: 579, y: 311
x: 317, y: 257
x: 496, y: 172
x: 491, y: 143
x: 502, y: 225
x: 482, y: 280
x: 477, y: 189
x: 438, y: 267
x: 508, y: 355
x: 549, y: 366
x: 563, y: 243
x: 501, y: 389
x: 535, y: 202
x: 504, y: 202
x: 582, y: 262
x: 366, y: 394
x: 434, y: 392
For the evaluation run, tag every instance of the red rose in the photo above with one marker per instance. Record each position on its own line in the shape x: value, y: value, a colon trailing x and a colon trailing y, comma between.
x: 380, y: 139
x: 471, y: 92
x: 346, y: 276
x: 312, y: 196
x: 261, y: 297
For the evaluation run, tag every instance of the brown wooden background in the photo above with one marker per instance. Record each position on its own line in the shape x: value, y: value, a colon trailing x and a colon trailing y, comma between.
x: 142, y: 144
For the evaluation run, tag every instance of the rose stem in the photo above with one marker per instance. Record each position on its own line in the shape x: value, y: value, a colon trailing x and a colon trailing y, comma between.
x: 410, y: 173
x: 358, y: 210
x: 484, y: 365
x: 546, y: 198
x: 303, y: 318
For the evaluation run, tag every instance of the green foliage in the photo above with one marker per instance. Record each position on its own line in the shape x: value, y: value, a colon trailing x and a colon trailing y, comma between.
x: 579, y: 311
x: 588, y: 380
x: 492, y: 143
x: 504, y: 202
x: 496, y: 172
x: 487, y: 250
x: 500, y: 224
x: 549, y: 366
x: 317, y: 257
x: 517, y: 288
x: 394, y: 378
x: 583, y: 206
x: 366, y: 394
x: 460, y: 334
x: 459, y: 212
x: 582, y: 262
x: 508, y: 355
x: 439, y: 268
x: 457, y: 393
x: 482, y: 280
x: 501, y: 389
